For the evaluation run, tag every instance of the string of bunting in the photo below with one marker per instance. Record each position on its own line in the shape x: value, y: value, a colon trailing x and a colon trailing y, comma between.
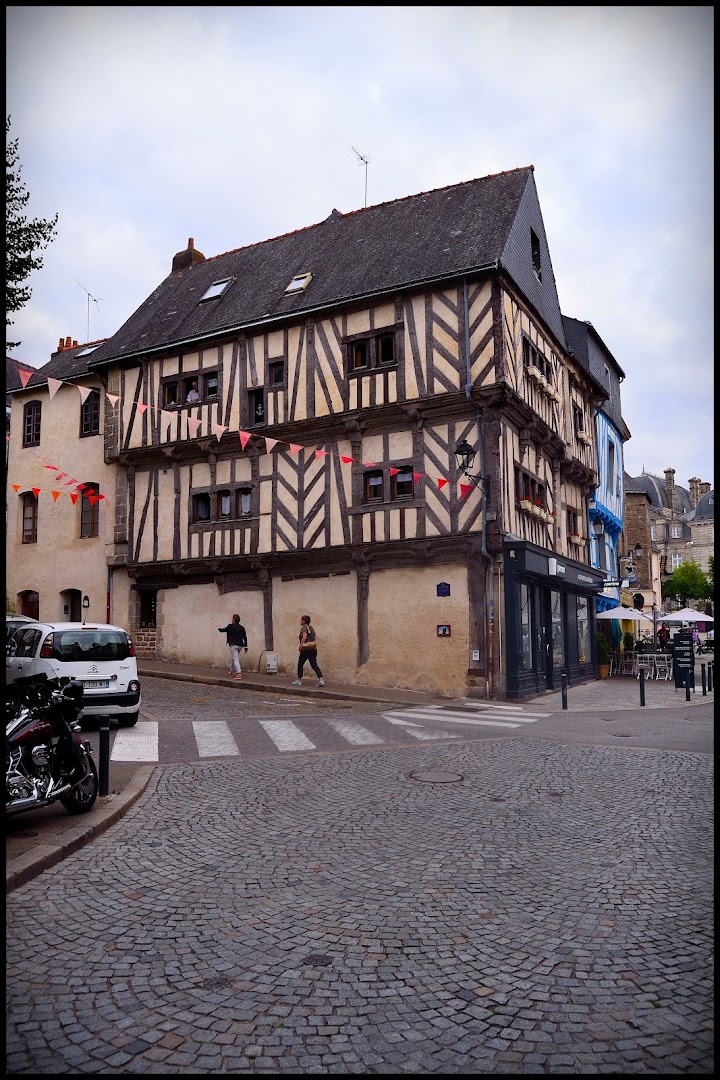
x: 193, y: 425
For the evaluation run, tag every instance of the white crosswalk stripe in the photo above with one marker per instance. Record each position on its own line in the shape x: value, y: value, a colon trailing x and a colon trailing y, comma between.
x: 286, y: 735
x: 354, y: 733
x: 470, y: 713
x: 214, y: 739
x: 417, y: 731
x: 139, y: 743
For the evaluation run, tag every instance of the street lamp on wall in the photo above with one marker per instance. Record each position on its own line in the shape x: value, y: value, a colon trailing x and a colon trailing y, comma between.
x: 465, y: 456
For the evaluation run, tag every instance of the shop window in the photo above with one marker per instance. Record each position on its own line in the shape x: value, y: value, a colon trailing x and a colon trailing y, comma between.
x: 31, y: 423
x: 90, y: 511
x: 556, y: 629
x: 29, y: 518
x: 583, y: 630
x: 90, y: 415
x: 526, y: 650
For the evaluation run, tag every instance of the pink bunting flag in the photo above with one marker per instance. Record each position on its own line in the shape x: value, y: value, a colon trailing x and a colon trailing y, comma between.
x: 244, y: 437
x: 36, y: 491
x: 74, y: 496
x: 51, y: 467
x: 346, y: 460
x: 113, y: 399
x: 53, y: 386
x: 165, y: 419
x: 465, y: 490
x: 84, y: 391
x: 68, y: 483
x: 142, y: 407
x: 16, y: 487
x: 81, y: 487
x: 393, y: 472
x: 321, y: 454
x: 60, y: 476
x: 441, y: 483
x: 269, y: 443
x: 193, y: 424
x: 220, y: 430
x: 56, y: 495
x: 24, y: 376
x: 295, y: 449
x: 418, y: 476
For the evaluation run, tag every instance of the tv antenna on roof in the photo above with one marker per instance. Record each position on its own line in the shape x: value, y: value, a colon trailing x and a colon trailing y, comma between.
x: 89, y: 298
x: 363, y: 159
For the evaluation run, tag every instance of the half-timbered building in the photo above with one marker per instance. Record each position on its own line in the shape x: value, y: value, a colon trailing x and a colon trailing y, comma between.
x: 291, y: 435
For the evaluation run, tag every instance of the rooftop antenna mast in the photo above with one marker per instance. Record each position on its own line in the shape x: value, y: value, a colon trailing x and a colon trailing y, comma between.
x: 363, y: 159
x: 89, y: 298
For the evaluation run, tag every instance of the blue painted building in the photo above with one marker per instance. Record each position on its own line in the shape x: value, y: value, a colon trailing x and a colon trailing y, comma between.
x: 606, y: 506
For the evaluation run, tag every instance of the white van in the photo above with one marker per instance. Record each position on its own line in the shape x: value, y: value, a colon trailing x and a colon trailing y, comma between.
x: 100, y: 656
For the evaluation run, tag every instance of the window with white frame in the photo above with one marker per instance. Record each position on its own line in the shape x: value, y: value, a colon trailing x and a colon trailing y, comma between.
x: 676, y: 559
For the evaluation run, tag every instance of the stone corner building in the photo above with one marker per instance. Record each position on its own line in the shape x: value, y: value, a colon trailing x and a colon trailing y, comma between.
x: 337, y: 369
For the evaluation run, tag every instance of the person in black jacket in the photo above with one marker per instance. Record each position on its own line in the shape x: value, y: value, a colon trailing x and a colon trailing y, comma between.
x: 237, y: 640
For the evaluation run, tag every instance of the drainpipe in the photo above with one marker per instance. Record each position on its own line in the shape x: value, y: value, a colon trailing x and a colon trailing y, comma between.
x: 481, y: 455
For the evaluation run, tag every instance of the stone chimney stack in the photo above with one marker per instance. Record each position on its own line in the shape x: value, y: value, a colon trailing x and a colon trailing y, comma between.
x: 694, y: 487
x: 704, y: 488
x: 187, y: 258
x: 670, y: 488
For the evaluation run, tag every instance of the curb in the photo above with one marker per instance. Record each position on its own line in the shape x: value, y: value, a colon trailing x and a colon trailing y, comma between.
x: 28, y: 866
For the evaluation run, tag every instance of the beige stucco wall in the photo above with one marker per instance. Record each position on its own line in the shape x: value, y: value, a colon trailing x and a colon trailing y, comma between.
x: 331, y: 604
x: 191, y: 615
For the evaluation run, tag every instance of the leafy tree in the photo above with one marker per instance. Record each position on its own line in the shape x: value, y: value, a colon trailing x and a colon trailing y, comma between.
x: 711, y: 576
x: 688, y: 582
x: 24, y: 239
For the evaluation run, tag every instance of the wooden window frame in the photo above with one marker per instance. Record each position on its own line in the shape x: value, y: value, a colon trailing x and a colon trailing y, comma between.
x: 90, y: 415
x: 372, y: 343
x: 89, y: 512
x: 29, y: 517
x: 32, y: 423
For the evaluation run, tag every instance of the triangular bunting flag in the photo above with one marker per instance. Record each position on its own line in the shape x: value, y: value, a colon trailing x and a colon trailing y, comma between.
x: 51, y: 467
x: 220, y: 430
x: 68, y: 483
x: 84, y: 391
x: 53, y: 386
x: 74, y: 496
x: 60, y: 476
x: 295, y: 449
x: 418, y: 476
x: 16, y: 487
x: 369, y: 464
x: 56, y: 495
x: 92, y: 499
x: 166, y: 419
x: 80, y: 487
x: 193, y: 425
x: 393, y: 472
x: 244, y: 437
x: 113, y: 399
x: 36, y: 491
x: 346, y: 460
x: 465, y: 489
x: 321, y: 453
x: 101, y: 496
x: 24, y: 376
x: 441, y: 483
x: 269, y: 443
x: 142, y: 407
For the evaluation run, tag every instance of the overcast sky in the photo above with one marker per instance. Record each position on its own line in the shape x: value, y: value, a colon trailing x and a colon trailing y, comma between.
x: 144, y: 126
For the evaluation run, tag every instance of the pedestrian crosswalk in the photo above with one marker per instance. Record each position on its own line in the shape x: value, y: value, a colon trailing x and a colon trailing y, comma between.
x: 228, y: 739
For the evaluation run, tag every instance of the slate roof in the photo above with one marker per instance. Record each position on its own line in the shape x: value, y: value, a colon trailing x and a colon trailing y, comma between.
x: 705, y: 509
x: 431, y: 236
x: 12, y: 379
x: 64, y: 364
x: 576, y: 335
x: 654, y: 488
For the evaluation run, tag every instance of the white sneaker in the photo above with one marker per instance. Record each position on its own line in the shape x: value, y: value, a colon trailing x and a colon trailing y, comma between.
x: 296, y: 682
x: 320, y: 682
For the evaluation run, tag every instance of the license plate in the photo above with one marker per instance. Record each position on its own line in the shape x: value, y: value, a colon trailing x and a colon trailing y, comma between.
x: 98, y: 684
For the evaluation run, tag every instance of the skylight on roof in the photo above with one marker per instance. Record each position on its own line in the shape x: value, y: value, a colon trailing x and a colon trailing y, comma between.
x: 216, y: 289
x: 298, y: 283
x: 86, y: 352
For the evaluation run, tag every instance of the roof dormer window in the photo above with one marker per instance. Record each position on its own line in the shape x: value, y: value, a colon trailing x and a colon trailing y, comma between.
x: 299, y: 283
x: 216, y: 289
x: 535, y: 251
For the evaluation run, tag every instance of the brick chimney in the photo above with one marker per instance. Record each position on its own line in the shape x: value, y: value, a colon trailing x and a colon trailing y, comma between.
x: 670, y: 488
x: 187, y: 258
x: 694, y: 488
x: 67, y: 343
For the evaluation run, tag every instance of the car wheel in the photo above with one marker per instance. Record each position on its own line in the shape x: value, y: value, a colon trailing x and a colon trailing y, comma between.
x: 128, y: 719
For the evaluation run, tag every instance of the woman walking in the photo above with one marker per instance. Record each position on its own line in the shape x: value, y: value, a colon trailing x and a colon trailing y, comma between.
x: 237, y: 640
x: 307, y: 650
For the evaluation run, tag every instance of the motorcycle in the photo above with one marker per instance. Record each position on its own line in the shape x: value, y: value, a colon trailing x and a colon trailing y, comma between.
x: 45, y: 758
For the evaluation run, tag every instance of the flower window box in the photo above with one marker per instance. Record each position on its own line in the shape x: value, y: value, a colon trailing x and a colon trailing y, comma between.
x: 526, y: 505
x: 583, y: 437
x: 579, y: 541
x: 535, y: 373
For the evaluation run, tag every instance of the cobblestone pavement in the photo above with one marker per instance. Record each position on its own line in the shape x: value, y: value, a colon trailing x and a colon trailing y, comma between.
x: 549, y: 912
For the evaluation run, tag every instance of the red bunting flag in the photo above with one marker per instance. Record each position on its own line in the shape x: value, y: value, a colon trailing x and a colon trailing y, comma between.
x: 69, y: 483
x: 244, y: 437
x: 465, y: 490
x: 321, y: 453
x: 101, y: 496
x: 346, y: 460
x: 441, y: 482
x: 24, y: 376
x: 74, y: 496
x: 80, y: 487
x: 16, y: 487
x: 56, y: 495
x: 393, y: 472
x: 60, y: 476
x: 418, y: 476
x: 92, y: 499
x: 295, y: 449
x: 36, y: 491
x: 369, y: 464
x: 51, y: 467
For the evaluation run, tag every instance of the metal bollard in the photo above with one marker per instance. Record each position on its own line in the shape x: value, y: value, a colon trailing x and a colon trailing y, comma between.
x: 104, y: 771
x: 687, y: 685
x: 563, y: 687
x: 642, y: 686
x: 711, y: 665
x: 702, y: 679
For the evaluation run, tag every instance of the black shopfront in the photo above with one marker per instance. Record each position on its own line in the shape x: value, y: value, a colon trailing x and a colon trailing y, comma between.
x: 549, y: 619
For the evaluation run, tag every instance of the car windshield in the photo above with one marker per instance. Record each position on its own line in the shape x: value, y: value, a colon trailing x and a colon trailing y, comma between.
x: 79, y: 645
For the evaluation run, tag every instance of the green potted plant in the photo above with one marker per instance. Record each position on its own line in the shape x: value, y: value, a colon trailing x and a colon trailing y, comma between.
x: 628, y: 641
x: 603, y: 655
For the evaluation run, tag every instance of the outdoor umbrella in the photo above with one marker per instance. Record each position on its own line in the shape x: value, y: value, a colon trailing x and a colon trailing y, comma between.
x: 685, y: 614
x: 621, y: 612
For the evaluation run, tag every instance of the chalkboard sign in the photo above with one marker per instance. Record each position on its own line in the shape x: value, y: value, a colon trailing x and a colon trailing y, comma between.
x: 683, y: 660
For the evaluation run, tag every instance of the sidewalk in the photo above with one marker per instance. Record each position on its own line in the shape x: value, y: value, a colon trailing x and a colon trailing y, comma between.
x: 41, y: 838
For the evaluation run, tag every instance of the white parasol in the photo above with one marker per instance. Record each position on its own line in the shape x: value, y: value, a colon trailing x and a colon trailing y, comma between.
x: 621, y: 612
x: 685, y: 614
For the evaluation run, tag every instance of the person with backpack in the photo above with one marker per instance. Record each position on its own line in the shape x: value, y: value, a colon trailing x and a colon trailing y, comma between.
x: 307, y: 650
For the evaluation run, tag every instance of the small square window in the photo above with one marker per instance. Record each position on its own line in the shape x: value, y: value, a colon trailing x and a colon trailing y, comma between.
x: 402, y: 484
x: 374, y: 487
x: 216, y: 289
x: 243, y: 502
x: 299, y: 283
x: 211, y: 384
x: 359, y: 354
x: 276, y: 372
x: 201, y: 507
x: 224, y: 504
x: 386, y: 349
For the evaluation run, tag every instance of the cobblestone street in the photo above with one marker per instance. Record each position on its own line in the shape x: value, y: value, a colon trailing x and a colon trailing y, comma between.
x: 551, y: 911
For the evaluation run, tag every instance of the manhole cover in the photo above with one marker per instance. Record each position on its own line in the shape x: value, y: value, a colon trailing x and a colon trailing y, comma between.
x: 318, y: 960
x: 432, y: 776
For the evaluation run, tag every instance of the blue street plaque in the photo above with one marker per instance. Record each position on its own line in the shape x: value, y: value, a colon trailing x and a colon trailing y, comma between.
x: 443, y: 589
